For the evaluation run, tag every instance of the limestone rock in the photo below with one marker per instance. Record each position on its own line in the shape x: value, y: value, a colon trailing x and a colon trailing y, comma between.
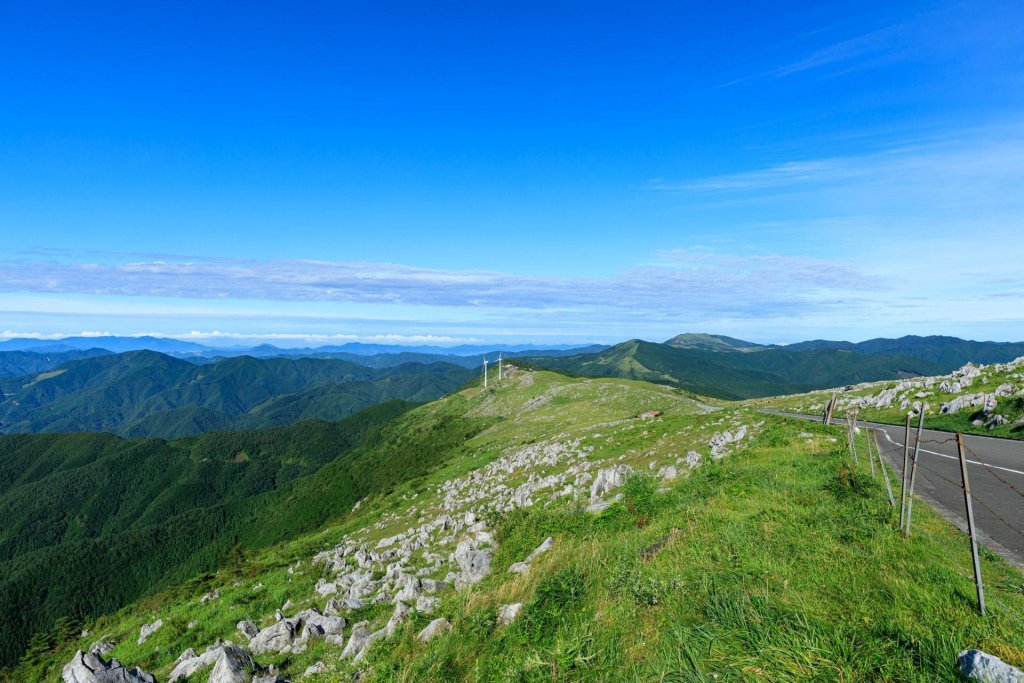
x: 317, y: 668
x: 608, y: 479
x: 475, y: 563
x: 234, y: 665
x: 86, y: 667
x: 976, y: 665
x: 277, y: 637
x: 247, y: 629
x: 524, y: 566
x: 357, y: 640
x: 509, y: 613
x: 149, y: 629
x: 434, y: 629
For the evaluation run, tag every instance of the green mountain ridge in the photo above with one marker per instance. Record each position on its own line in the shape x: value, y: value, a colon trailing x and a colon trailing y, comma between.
x: 737, y: 374
x: 144, y: 393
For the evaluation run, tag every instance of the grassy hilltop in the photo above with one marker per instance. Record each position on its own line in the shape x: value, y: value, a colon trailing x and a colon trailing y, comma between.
x: 775, y: 561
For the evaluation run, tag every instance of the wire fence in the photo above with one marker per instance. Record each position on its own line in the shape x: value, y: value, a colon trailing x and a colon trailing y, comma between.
x: 917, y: 441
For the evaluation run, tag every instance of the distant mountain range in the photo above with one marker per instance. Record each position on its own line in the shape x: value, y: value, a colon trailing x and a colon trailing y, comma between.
x: 144, y: 393
x: 184, y: 389
x: 175, y: 347
x: 724, y: 367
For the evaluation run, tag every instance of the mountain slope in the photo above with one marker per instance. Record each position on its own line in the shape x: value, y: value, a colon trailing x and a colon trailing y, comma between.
x: 737, y: 375
x: 93, y: 521
x: 711, y: 342
x: 143, y: 393
x: 948, y: 353
x: 718, y: 545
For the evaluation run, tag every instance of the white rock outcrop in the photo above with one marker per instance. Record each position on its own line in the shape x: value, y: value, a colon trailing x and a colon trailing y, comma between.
x: 149, y: 629
x: 976, y: 665
x: 86, y: 667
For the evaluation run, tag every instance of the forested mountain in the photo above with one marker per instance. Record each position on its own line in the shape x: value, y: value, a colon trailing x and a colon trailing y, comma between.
x: 22, y: 363
x: 92, y: 521
x: 739, y: 374
x: 143, y: 393
x: 949, y: 353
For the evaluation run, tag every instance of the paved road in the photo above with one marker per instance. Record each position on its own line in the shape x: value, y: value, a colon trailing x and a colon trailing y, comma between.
x: 995, y: 466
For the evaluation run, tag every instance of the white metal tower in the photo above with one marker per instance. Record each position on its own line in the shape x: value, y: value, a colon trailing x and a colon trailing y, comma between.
x: 485, y: 372
x: 499, y: 366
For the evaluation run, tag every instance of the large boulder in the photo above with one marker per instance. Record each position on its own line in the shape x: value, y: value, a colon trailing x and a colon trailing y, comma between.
x: 277, y: 637
x: 234, y: 665
x: 86, y: 667
x: 976, y: 665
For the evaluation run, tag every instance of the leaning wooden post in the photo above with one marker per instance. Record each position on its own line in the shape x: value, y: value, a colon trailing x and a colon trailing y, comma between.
x: 970, y: 523
x: 905, y: 472
x: 881, y: 465
x: 867, y: 437
x: 851, y: 426
x: 913, y: 472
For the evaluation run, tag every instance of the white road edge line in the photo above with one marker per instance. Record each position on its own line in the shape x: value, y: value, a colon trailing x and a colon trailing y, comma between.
x: 951, y: 457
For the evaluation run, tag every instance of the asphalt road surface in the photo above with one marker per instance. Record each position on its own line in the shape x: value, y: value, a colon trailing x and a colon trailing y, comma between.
x: 995, y: 472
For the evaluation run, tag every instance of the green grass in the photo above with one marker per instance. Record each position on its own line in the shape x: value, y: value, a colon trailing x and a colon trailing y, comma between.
x: 786, y: 566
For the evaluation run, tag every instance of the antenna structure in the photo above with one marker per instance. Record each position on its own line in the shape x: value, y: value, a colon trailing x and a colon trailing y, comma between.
x: 499, y: 366
x: 485, y: 372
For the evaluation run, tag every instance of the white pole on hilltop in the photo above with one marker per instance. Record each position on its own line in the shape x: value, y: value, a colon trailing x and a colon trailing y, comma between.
x: 485, y: 373
x: 499, y: 367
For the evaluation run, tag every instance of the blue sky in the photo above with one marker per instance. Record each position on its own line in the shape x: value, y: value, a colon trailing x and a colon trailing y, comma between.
x: 321, y: 171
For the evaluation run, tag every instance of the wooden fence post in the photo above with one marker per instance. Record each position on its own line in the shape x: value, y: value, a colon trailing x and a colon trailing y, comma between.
x: 851, y: 423
x: 867, y: 437
x: 913, y: 472
x: 970, y: 523
x: 905, y: 472
x: 881, y: 465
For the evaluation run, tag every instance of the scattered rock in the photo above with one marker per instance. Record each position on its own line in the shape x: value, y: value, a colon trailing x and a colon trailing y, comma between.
x: 976, y: 665
x: 434, y: 629
x: 317, y: 668
x: 102, y: 647
x: 247, y: 629
x: 608, y: 479
x: 509, y: 613
x: 524, y: 566
x: 85, y: 667
x: 149, y: 629
x: 475, y: 563
x: 212, y: 595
